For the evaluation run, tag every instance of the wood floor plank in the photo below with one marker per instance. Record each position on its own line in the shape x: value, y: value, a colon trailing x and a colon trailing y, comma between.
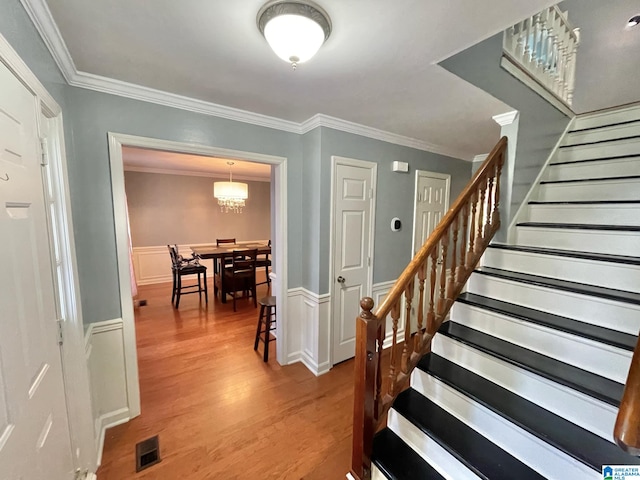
x: 219, y: 410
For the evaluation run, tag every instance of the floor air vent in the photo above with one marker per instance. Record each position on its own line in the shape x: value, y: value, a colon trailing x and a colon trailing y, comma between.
x: 147, y: 453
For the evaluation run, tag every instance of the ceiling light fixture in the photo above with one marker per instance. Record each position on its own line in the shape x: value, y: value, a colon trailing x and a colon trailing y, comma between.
x: 231, y: 195
x: 633, y: 21
x: 295, y: 29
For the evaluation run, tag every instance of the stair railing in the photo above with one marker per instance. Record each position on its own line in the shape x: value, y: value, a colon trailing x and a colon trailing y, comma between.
x: 545, y: 46
x: 439, y: 271
x: 627, y: 429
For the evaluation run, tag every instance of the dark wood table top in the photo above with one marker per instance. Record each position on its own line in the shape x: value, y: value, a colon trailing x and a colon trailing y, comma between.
x: 214, y: 251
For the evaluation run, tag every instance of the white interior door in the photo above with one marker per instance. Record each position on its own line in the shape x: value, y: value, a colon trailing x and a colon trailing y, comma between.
x: 34, y: 428
x: 431, y: 204
x: 353, y: 219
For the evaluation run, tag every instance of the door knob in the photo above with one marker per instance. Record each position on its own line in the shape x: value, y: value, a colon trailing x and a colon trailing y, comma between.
x: 341, y: 279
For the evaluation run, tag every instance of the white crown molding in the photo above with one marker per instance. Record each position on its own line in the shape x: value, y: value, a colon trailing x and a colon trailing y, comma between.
x: 321, y: 120
x: 505, y: 119
x: 41, y: 17
x: 191, y: 173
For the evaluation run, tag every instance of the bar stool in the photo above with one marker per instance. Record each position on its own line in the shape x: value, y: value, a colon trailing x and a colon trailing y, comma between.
x: 268, y: 318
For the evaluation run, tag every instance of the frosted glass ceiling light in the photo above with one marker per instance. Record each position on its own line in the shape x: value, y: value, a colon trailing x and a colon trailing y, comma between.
x: 294, y: 29
x: 231, y: 195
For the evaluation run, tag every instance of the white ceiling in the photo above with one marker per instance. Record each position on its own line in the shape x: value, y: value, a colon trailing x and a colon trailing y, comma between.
x: 377, y: 70
x: 158, y: 161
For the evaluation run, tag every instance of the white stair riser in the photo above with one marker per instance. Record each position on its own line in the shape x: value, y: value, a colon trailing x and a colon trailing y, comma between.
x: 376, y: 474
x: 598, y: 150
x: 606, y: 274
x: 524, y: 446
x: 605, y: 133
x: 430, y: 450
x: 595, y: 357
x: 583, y: 410
x: 601, y: 169
x: 613, y: 214
x: 606, y: 118
x: 595, y: 241
x: 624, y: 189
x: 619, y: 316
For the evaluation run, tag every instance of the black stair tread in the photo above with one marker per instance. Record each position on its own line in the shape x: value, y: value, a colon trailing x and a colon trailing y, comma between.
x: 581, y: 444
x: 557, y: 322
x: 600, y: 257
x: 398, y: 461
x: 479, y: 454
x: 588, y: 383
x: 583, y: 202
x: 581, y: 226
x: 596, y: 179
x: 566, y: 285
x: 596, y: 142
x: 609, y: 125
x: 598, y: 159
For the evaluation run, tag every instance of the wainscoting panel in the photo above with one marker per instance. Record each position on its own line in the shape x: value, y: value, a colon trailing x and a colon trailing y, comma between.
x: 104, y: 350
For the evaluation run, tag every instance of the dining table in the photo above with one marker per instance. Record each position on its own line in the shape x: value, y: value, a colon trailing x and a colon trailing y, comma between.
x: 219, y: 254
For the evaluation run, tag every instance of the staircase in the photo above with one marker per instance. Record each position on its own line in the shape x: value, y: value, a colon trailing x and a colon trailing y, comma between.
x: 525, y: 380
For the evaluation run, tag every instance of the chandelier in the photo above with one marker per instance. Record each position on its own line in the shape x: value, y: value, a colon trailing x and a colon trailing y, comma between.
x: 231, y: 195
x: 295, y: 29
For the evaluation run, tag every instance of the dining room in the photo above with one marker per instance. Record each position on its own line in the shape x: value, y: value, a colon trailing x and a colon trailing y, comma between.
x: 171, y: 200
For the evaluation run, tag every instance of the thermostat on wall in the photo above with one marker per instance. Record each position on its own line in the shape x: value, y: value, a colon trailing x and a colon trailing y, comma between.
x: 400, y: 167
x: 396, y: 224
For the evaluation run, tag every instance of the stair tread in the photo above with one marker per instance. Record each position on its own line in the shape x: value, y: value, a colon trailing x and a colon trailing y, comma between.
x: 397, y: 460
x: 597, y: 142
x: 588, y: 383
x: 575, y: 327
x: 579, y: 443
x: 598, y: 159
x: 581, y: 226
x: 608, y: 125
x: 566, y: 285
x: 596, y: 179
x: 583, y: 202
x: 600, y: 257
x: 471, y: 448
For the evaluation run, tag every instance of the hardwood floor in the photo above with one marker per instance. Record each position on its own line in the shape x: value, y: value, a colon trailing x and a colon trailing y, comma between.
x: 219, y: 410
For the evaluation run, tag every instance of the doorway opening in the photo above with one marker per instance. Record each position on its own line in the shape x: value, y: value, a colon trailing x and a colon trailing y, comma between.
x: 278, y: 167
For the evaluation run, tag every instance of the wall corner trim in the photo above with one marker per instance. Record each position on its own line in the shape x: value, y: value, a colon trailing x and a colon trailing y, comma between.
x: 507, y: 118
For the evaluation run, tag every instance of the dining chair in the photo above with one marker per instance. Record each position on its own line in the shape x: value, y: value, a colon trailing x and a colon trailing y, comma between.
x: 265, y: 261
x: 223, y: 241
x: 241, y: 276
x: 180, y: 267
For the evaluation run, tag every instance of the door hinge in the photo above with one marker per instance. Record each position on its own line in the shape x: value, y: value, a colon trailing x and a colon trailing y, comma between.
x: 60, y: 338
x: 368, y: 261
x: 43, y: 151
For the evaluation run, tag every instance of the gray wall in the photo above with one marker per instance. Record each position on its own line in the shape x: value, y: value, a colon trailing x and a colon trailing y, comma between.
x: 395, y: 193
x: 180, y: 209
x: 541, y: 124
x: 89, y: 116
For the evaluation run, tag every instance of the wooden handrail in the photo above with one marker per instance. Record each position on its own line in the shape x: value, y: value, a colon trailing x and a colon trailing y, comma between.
x: 436, y: 275
x: 627, y: 430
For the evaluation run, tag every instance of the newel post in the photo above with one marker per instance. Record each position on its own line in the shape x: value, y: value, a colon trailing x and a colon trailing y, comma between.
x: 365, y: 390
x: 627, y: 430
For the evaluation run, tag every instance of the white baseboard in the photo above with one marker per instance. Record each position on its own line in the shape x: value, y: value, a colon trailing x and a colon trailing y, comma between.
x: 106, y: 421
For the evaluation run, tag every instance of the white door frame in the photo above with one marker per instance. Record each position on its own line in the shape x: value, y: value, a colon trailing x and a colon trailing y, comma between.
x: 74, y: 364
x: 425, y: 173
x: 280, y: 285
x: 373, y: 166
